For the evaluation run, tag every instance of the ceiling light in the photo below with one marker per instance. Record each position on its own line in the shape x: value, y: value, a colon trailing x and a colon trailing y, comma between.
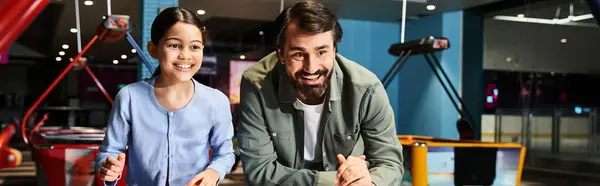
x: 58, y: 59
x: 123, y: 56
x: 201, y: 12
x: 133, y: 51
x: 61, y: 53
x: 261, y: 33
x: 563, y: 41
x: 115, y: 61
x: 521, y: 15
x: 65, y: 46
x: 430, y: 7
x: 555, y: 21
x: 103, y: 17
x: 70, y: 59
x: 88, y: 3
x: 73, y: 30
x: 242, y: 57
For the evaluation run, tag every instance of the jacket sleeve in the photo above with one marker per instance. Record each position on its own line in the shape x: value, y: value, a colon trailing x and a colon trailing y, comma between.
x: 258, y: 156
x: 378, y: 129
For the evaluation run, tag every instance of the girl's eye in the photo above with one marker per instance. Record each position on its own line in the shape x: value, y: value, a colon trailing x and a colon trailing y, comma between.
x: 196, y: 47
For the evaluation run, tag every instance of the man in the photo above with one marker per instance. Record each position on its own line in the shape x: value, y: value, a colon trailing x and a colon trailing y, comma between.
x: 311, y: 117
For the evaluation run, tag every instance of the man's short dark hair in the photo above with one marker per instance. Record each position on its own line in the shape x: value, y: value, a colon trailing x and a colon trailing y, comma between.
x: 310, y: 16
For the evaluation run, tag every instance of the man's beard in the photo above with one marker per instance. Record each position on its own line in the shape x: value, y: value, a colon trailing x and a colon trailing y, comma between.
x: 312, y: 94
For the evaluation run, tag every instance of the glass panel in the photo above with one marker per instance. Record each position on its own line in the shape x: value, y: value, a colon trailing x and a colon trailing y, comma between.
x: 574, y: 131
x: 511, y: 124
x: 541, y: 133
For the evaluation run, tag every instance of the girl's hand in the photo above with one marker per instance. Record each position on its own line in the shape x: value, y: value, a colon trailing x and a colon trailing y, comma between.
x: 209, y: 177
x: 112, y: 168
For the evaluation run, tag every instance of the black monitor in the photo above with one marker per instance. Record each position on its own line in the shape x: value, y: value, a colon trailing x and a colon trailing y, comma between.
x: 595, y: 9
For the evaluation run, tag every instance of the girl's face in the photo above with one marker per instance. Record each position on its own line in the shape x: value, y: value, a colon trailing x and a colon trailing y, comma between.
x: 179, y: 52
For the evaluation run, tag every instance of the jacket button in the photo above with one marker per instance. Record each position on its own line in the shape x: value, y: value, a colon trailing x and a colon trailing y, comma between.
x: 274, y: 134
x: 349, y: 137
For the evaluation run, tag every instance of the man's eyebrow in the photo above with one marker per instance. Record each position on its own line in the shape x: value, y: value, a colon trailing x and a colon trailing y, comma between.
x: 321, y: 47
x: 297, y: 48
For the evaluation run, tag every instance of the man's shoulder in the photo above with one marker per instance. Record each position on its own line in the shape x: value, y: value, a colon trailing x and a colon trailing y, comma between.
x: 258, y: 72
x: 357, y: 74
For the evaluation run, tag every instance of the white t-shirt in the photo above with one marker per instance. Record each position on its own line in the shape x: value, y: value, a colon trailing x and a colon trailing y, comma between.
x: 312, y: 121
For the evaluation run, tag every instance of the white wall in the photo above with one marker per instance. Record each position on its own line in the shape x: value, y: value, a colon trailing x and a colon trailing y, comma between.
x: 538, y: 47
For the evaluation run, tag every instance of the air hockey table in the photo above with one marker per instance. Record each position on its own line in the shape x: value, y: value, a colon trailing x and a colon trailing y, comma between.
x: 441, y: 162
x: 65, y: 156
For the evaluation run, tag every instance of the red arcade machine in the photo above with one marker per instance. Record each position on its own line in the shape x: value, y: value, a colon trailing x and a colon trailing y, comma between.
x: 63, y: 156
x: 15, y: 16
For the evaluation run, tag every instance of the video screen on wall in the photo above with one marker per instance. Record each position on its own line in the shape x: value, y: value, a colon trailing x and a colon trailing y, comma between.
x: 236, y: 68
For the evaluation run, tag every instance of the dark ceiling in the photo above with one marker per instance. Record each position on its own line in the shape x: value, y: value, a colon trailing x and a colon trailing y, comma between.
x: 234, y: 25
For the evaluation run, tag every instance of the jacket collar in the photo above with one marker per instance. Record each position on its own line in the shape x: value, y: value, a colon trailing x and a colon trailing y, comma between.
x: 287, y: 92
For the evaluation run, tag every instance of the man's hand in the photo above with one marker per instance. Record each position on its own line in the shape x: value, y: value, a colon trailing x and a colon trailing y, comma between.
x: 209, y: 177
x: 353, y: 171
x: 112, y: 168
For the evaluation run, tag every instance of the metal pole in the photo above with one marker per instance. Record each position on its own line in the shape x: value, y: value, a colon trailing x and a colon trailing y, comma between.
x: 78, y: 26
x: 108, y: 7
x: 592, y: 147
x: 437, y: 75
x: 403, y: 21
x: 497, y: 130
x: 281, y: 6
x: 555, y: 142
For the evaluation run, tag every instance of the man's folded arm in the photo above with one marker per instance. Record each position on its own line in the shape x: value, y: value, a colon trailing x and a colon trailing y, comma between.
x: 258, y: 156
x: 378, y: 129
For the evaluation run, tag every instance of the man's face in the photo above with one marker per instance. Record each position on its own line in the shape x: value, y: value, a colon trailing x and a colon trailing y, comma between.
x: 308, y: 60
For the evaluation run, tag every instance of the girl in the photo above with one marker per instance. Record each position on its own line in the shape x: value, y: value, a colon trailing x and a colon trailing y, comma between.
x: 168, y: 123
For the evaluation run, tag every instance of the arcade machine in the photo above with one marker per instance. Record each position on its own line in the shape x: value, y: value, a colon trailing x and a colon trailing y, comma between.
x: 432, y: 161
x: 15, y: 16
x: 65, y: 155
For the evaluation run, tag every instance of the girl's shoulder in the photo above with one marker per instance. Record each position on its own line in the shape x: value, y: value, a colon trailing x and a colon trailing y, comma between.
x: 142, y: 86
x: 210, y: 94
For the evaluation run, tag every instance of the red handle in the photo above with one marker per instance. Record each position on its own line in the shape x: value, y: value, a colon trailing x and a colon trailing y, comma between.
x: 16, y: 15
x: 7, y: 132
x: 54, y: 83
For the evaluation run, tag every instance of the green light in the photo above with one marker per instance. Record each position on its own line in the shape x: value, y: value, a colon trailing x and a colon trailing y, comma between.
x: 121, y: 86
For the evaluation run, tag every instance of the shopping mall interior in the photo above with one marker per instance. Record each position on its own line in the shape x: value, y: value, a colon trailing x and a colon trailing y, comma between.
x: 511, y: 77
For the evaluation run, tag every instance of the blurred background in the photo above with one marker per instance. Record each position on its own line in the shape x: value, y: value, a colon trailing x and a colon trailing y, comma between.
x: 525, y: 68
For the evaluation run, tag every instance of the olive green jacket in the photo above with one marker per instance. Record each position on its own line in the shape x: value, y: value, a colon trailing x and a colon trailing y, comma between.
x: 357, y: 116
